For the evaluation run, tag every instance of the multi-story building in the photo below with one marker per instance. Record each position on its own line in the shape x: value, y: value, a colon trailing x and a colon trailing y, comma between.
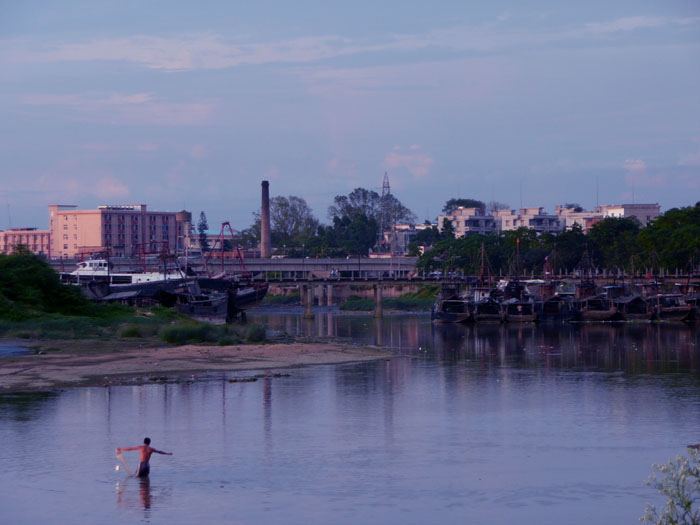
x: 469, y: 220
x: 536, y: 219
x: 36, y: 241
x: 577, y: 216
x: 644, y: 213
x: 122, y: 230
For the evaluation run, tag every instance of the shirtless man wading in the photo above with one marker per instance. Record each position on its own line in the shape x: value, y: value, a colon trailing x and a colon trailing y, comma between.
x: 145, y: 452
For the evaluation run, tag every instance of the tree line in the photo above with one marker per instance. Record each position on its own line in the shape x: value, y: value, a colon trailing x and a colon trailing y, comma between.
x: 671, y: 242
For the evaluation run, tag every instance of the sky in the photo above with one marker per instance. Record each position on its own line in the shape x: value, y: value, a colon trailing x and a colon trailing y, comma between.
x: 184, y: 105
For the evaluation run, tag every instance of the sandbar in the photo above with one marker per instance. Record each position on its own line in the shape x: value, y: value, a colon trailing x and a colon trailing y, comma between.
x: 103, y: 367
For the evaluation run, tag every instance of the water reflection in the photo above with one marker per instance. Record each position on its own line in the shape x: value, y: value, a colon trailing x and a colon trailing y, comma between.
x: 24, y: 406
x: 126, y: 497
x: 635, y: 348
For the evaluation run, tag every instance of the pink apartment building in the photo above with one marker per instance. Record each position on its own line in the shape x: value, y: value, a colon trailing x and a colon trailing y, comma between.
x: 37, y: 241
x: 123, y: 231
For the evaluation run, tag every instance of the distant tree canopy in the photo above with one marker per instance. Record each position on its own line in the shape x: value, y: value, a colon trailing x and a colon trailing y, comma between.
x: 618, y: 244
x: 452, y: 204
x: 574, y: 206
x: 388, y: 209
x: 354, y: 235
x: 291, y: 220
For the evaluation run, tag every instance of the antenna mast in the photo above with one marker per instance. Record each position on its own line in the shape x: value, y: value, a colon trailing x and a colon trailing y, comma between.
x: 384, y: 202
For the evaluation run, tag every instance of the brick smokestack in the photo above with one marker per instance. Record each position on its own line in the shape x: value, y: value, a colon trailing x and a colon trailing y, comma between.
x: 265, y: 241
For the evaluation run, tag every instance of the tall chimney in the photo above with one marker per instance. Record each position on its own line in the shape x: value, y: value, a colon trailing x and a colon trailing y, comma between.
x: 265, y: 241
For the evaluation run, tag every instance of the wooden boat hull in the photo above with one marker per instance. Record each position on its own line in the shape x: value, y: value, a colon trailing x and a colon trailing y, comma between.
x: 674, y: 313
x: 589, y: 315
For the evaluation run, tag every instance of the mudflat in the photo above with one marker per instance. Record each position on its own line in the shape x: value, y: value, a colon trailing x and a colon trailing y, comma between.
x: 90, y: 363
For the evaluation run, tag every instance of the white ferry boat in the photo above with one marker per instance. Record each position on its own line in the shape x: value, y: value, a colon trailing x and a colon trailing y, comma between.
x: 101, y: 270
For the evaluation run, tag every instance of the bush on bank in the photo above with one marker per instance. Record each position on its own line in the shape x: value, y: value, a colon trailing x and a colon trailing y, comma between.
x: 189, y: 332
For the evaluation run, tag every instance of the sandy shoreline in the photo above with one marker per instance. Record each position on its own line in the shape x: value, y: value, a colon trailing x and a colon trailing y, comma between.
x: 146, y: 365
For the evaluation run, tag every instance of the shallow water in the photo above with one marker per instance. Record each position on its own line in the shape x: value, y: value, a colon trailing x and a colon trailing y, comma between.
x: 9, y: 350
x: 487, y: 424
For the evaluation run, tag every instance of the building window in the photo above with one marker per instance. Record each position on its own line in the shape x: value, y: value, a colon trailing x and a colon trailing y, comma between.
x: 65, y: 246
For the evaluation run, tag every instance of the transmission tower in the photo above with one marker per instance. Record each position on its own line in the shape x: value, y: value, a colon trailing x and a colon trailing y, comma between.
x: 385, y: 219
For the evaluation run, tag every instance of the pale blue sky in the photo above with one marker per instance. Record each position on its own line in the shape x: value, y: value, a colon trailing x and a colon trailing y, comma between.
x: 176, y: 105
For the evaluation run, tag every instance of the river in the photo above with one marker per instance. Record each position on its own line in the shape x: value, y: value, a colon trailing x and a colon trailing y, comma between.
x: 469, y: 424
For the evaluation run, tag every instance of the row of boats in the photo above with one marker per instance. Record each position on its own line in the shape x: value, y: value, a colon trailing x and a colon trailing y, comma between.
x: 529, y: 301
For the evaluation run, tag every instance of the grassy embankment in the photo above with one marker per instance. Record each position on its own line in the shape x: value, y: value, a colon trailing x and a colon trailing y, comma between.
x: 421, y: 300
x: 35, y: 305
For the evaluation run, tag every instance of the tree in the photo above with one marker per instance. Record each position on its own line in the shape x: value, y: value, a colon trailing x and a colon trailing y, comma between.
x: 347, y: 236
x: 202, y: 227
x: 574, y: 206
x: 491, y: 206
x: 291, y: 219
x: 679, y: 481
x: 388, y: 209
x: 614, y: 241
x: 448, y: 231
x: 452, y: 204
x: 674, y: 236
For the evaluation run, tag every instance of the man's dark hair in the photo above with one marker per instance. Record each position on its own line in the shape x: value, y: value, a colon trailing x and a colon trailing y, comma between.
x: 147, y: 441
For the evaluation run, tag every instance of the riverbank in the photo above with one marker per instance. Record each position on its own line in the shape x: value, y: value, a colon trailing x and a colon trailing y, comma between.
x: 91, y: 363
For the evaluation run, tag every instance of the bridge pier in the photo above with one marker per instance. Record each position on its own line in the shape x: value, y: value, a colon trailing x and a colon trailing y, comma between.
x: 307, y: 294
x: 329, y: 295
x: 377, y: 300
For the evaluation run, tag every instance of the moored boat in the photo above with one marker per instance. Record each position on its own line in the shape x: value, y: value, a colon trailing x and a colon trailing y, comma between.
x: 670, y: 307
x: 595, y: 308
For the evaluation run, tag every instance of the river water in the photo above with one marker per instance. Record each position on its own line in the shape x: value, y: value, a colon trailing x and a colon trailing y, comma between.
x: 470, y: 424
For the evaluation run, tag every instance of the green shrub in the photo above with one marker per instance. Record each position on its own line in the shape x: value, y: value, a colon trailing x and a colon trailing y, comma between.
x: 254, y: 333
x: 184, y: 333
x: 355, y: 303
x: 293, y: 298
x: 139, y: 330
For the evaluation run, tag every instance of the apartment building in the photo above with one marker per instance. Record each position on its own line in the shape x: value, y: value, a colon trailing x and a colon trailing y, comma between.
x: 536, y: 219
x: 469, y: 220
x: 644, y: 213
x: 125, y: 230
x: 36, y: 241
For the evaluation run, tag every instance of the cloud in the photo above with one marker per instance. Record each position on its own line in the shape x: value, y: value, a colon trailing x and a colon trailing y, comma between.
x: 147, y: 146
x: 213, y: 51
x: 692, y: 159
x: 632, y: 23
x: 199, y: 151
x: 109, y: 188
x: 271, y: 173
x: 417, y: 164
x: 98, y: 147
x: 138, y: 108
x: 638, y: 176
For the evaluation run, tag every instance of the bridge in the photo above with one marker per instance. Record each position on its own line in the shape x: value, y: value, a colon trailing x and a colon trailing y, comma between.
x: 318, y: 277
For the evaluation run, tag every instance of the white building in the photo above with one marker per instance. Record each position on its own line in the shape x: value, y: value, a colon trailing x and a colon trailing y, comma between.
x: 469, y: 220
x: 644, y: 213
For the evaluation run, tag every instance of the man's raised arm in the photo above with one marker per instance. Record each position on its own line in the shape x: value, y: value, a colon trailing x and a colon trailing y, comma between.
x: 119, y: 449
x: 161, y: 452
